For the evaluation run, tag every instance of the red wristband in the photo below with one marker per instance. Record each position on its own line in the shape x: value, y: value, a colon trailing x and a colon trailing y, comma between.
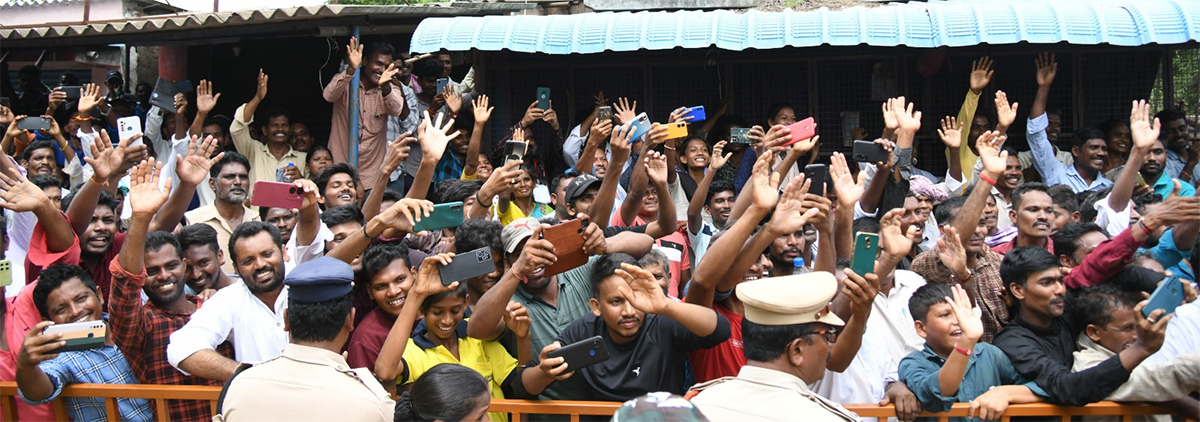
x: 963, y: 351
x: 1145, y: 229
x: 984, y: 177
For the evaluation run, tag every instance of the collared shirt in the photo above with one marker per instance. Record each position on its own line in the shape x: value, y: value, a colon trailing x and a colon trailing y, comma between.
x: 1175, y: 164
x: 985, y: 286
x: 1149, y: 381
x: 761, y: 394
x: 488, y: 358
x: 262, y: 162
x: 1183, y: 334
x: 103, y: 365
x: 1054, y: 172
x: 306, y: 383
x: 546, y: 320
x: 1004, y: 248
x: 986, y: 368
x: 1171, y: 256
x: 449, y: 167
x: 235, y: 315
x: 864, y: 381
x: 1003, y: 221
x: 374, y: 109
x: 891, y: 318
x: 208, y: 215
x: 1166, y: 184
x: 142, y: 333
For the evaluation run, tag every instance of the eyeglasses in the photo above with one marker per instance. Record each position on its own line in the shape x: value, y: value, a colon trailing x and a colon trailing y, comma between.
x: 831, y: 335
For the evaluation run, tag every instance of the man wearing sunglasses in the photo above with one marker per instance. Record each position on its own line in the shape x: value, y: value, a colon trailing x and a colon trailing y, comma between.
x: 788, y: 332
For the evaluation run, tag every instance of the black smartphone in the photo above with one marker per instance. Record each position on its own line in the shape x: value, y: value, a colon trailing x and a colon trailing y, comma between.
x: 468, y: 265
x: 73, y: 92
x: 34, y: 123
x: 869, y: 152
x: 582, y: 354
x: 818, y: 174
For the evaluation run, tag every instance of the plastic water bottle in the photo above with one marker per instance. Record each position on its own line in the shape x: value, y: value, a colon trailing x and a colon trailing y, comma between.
x: 798, y: 267
x: 281, y: 173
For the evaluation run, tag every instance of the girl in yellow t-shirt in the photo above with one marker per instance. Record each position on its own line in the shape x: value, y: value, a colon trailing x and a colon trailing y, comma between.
x: 518, y: 203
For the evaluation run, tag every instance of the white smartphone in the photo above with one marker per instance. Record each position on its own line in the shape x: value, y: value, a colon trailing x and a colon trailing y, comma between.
x: 127, y: 127
x: 79, y: 335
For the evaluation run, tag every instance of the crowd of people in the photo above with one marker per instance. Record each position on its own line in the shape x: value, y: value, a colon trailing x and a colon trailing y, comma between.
x: 721, y: 267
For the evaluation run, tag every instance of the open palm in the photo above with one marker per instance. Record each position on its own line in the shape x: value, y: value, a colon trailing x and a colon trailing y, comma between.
x: 642, y: 290
x: 18, y: 193
x: 145, y: 197
x: 196, y: 165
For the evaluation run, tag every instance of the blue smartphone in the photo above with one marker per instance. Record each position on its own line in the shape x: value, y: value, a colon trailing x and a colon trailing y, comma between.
x: 641, y: 126
x: 441, y: 84
x: 866, y: 245
x: 697, y: 114
x: 1167, y: 297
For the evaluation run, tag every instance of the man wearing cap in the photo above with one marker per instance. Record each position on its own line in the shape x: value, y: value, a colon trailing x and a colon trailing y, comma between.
x: 311, y: 369
x: 787, y: 332
x: 584, y: 191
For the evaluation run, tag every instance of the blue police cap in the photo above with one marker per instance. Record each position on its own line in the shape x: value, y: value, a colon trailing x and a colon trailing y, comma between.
x: 319, y: 280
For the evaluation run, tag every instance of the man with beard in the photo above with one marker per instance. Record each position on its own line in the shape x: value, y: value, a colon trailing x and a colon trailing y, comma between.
x: 230, y: 180
x: 1088, y: 146
x: 1033, y: 213
x: 39, y: 159
x: 203, y: 257
x: 1183, y: 154
x: 265, y: 157
x: 377, y: 100
x: 301, y: 138
x: 1154, y: 172
x: 143, y: 331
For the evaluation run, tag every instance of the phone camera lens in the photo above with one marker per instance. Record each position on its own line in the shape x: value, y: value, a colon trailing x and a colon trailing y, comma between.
x: 292, y: 190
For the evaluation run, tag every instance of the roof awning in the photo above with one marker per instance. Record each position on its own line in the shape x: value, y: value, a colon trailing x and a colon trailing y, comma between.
x: 952, y: 23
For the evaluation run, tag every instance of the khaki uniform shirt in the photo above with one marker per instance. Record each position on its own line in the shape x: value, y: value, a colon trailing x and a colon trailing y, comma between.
x: 208, y: 215
x: 306, y: 383
x: 759, y: 394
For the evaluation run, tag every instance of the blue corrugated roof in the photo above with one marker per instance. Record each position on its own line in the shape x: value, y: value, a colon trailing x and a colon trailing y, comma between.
x: 915, y: 24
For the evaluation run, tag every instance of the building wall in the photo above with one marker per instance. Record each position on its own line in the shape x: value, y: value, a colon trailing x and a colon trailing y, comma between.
x: 30, y: 13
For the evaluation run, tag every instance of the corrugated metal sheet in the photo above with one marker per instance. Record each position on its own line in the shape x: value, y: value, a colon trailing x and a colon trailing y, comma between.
x: 914, y: 24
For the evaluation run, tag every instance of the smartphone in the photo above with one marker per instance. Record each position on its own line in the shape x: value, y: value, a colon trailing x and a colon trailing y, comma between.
x: 582, y: 354
x: 443, y: 216
x: 34, y: 123
x: 5, y: 273
x: 441, y: 84
x: 543, y: 98
x: 818, y: 174
x: 869, y: 152
x: 468, y: 265
x: 567, y: 238
x: 514, y: 151
x: 277, y: 195
x: 73, y: 92
x: 738, y: 135
x: 641, y: 126
x: 1140, y: 180
x: 79, y: 335
x: 697, y: 114
x: 604, y: 113
x: 802, y: 130
x: 1167, y: 297
x: 865, y: 247
x: 127, y: 127
x: 677, y: 130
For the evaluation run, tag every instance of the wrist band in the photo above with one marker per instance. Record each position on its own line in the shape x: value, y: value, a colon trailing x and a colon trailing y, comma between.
x: 984, y: 177
x: 365, y: 233
x: 105, y: 183
x: 1145, y: 229
x: 962, y: 350
x: 81, y: 118
x: 479, y: 201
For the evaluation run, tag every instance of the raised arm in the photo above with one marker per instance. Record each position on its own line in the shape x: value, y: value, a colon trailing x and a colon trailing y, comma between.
x: 483, y: 111
x: 656, y: 171
x: 309, y: 221
x: 950, y: 134
x: 599, y: 132
x: 696, y: 205
x: 969, y: 321
x: 433, y: 137
x: 861, y: 292
x: 711, y: 272
x: 499, y: 183
x: 125, y: 300
x: 1047, y: 68
x: 397, y: 152
x: 191, y: 170
x: 848, y: 193
x: 399, y: 218
x: 487, y: 316
x: 428, y: 282
x: 206, y: 101
x: 1144, y: 135
x: 994, y: 160
x: 619, y: 144
x: 260, y: 93
x: 21, y: 195
x: 107, y: 166
x: 643, y: 292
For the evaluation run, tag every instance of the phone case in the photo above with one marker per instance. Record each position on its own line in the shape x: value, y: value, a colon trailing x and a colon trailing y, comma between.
x: 1168, y: 296
x: 818, y: 174
x: 468, y: 265
x: 79, y: 335
x: 869, y: 152
x: 73, y: 92
x: 582, y: 354
x: 567, y: 238
x: 35, y: 123
x: 127, y: 127
x: 543, y: 98
x: 514, y: 151
x: 865, y: 247
x: 441, y: 84
x: 641, y: 126
x: 802, y: 130
x: 697, y: 114
x: 276, y: 195
x: 605, y: 113
x: 737, y: 135
x: 5, y: 273
x: 677, y: 130
x: 443, y: 216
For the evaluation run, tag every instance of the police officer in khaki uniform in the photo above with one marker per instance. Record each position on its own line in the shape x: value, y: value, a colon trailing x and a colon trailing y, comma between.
x: 310, y: 380
x: 787, y: 332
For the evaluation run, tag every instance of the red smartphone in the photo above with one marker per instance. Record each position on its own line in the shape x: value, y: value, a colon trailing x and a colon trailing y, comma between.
x: 277, y: 195
x: 802, y: 130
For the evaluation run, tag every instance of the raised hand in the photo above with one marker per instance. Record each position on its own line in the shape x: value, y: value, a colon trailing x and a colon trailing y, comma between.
x: 482, y: 109
x: 790, y: 215
x: 89, y: 98
x: 1006, y: 114
x: 951, y: 132
x: 642, y: 290
x: 18, y: 193
x: 994, y: 160
x: 656, y: 167
x: 890, y: 123
x: 6, y: 115
x: 968, y: 318
x: 848, y: 190
x: 516, y: 318
x: 858, y: 133
x: 1144, y: 133
x: 106, y: 160
x: 536, y: 256
x: 429, y: 277
x: 625, y: 113
x: 892, y: 239
x: 57, y: 98
x: 764, y: 182
x: 861, y: 291
x: 206, y: 100
x: 404, y: 213
x: 311, y: 195
x: 1047, y: 67
x: 981, y: 74
x: 890, y: 147
x: 908, y: 119
x: 952, y: 253
x: 354, y: 55
x: 593, y: 238
x: 551, y: 117
x: 181, y: 104
x: 145, y: 197
x: 719, y: 159
x: 453, y: 98
x: 389, y: 74
x: 37, y: 347
x: 677, y: 115
x: 13, y: 130
x: 54, y: 130
x: 621, y: 141
x: 260, y: 91
x: 196, y: 165
x: 657, y: 134
x: 1151, y: 331
x: 532, y: 114
x: 397, y: 151
x: 601, y: 128
x: 435, y: 136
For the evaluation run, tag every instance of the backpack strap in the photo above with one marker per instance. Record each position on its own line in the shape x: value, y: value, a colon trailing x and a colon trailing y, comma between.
x: 225, y: 389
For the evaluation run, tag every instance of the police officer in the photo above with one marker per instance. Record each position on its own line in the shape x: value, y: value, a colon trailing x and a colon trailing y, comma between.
x: 787, y: 333
x: 310, y: 380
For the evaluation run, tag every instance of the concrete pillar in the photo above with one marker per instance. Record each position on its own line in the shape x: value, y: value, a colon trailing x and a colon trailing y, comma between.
x: 172, y: 62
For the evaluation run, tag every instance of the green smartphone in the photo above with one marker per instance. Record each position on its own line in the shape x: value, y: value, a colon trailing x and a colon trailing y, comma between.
x: 866, y: 245
x: 443, y: 216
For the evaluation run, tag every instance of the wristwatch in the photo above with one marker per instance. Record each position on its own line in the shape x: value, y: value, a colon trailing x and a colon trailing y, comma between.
x: 964, y: 279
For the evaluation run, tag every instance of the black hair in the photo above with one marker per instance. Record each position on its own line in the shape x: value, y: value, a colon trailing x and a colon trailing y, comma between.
x: 1097, y: 304
x: 155, y: 240
x: 427, y: 67
x: 43, y: 181
x: 865, y: 225
x: 1064, y: 196
x: 249, y: 229
x: 199, y: 234
x: 465, y: 122
x: 36, y: 145
x: 1169, y: 115
x: 322, y: 179
x: 1022, y: 261
x: 1065, y: 238
x: 320, y: 321
x: 312, y: 151
x: 31, y: 70
x: 263, y: 211
x: 716, y: 187
x: 925, y: 297
x: 229, y: 157
x: 1085, y: 134
x: 775, y: 109
x: 765, y: 343
x: 1111, y: 124
x: 606, y: 266
x: 379, y: 256
x: 455, y: 190
x: 1012, y: 151
x: 476, y: 233
x: 68, y: 79
x: 274, y: 112
x: 107, y: 199
x: 945, y: 211
x: 1020, y: 191
x: 554, y: 183
x: 1087, y: 203
x: 1139, y: 202
x: 459, y: 292
x: 446, y: 392
x: 378, y: 47
x: 341, y: 215
x: 391, y: 196
x: 50, y: 279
